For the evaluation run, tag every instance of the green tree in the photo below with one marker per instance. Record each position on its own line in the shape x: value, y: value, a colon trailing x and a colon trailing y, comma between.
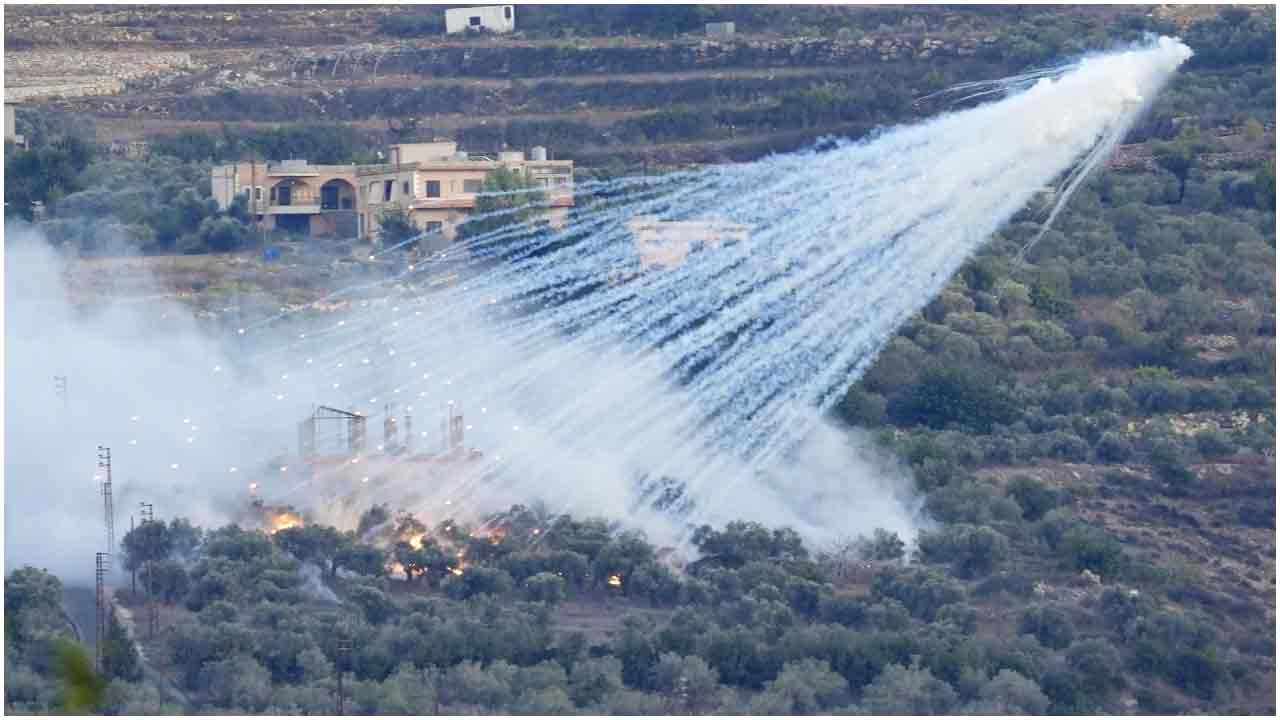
x: 953, y: 395
x: 506, y: 201
x: 900, y: 690
x: 1179, y: 161
x: 119, y: 657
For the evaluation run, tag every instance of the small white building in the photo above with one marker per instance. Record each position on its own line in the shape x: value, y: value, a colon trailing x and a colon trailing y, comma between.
x: 493, y: 18
x: 721, y: 30
x: 10, y: 127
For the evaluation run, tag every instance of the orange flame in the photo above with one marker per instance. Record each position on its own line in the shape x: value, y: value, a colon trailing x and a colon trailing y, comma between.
x: 283, y: 520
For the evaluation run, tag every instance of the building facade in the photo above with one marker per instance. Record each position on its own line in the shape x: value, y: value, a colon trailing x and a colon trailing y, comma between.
x: 434, y: 184
x: 492, y: 18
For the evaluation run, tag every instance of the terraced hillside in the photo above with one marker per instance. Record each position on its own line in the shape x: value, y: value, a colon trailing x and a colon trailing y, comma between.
x: 633, y: 91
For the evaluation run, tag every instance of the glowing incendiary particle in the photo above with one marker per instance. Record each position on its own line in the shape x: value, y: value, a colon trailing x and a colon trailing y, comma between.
x: 468, y: 427
x: 484, y: 410
x: 413, y: 363
x: 241, y: 331
x: 173, y: 466
x: 335, y: 385
x: 341, y: 323
x: 366, y: 361
x: 302, y: 336
x: 133, y: 442
x: 379, y: 448
x: 284, y: 468
x: 186, y: 421
x: 339, y: 364
x: 448, y: 502
x: 190, y: 440
x: 536, y: 531
x: 615, y: 581
x: 133, y: 418
x: 364, y: 479
x: 423, y: 433
x: 234, y: 469
x: 194, y: 428
x: 308, y: 361
x: 217, y: 368
x: 355, y: 460
x: 516, y: 428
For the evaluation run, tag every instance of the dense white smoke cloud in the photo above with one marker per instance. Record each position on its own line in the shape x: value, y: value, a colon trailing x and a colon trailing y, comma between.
x: 707, y: 381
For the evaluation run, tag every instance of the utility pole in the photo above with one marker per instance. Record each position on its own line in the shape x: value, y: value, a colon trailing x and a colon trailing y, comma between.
x: 104, y: 462
x: 102, y: 565
x: 133, y: 574
x: 147, y: 511
x: 60, y: 389
x: 344, y: 656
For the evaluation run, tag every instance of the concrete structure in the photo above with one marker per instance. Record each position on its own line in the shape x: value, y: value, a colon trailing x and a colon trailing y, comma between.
x: 11, y: 127
x: 493, y: 18
x: 295, y: 196
x: 434, y: 183
x: 667, y: 243
x: 720, y: 29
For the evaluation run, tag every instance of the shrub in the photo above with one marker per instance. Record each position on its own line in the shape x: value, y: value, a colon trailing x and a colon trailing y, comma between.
x: 953, y: 395
x: 972, y: 550
x: 544, y: 587
x: 863, y: 408
x: 1049, y: 624
x: 1113, y: 448
x: 1086, y: 548
x: 1033, y: 496
x: 922, y: 591
x: 1214, y: 444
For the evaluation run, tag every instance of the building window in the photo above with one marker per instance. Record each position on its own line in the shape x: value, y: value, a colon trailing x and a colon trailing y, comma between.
x: 471, y: 186
x: 475, y: 21
x: 386, y: 190
x: 434, y: 226
x: 433, y: 188
x: 404, y: 188
x: 257, y: 194
x: 506, y: 12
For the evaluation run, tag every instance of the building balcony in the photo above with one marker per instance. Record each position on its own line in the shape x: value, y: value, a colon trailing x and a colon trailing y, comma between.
x: 294, y: 209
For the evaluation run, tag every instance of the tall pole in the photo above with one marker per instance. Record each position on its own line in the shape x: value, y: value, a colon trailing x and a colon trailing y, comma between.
x: 102, y: 564
x: 153, y: 613
x: 344, y: 653
x: 133, y: 574
x: 60, y: 389
x: 108, y: 509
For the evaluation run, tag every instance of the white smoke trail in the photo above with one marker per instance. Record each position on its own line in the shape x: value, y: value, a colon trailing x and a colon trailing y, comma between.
x: 707, y: 381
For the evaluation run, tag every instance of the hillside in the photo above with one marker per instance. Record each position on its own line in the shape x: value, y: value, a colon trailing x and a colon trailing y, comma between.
x: 1089, y: 420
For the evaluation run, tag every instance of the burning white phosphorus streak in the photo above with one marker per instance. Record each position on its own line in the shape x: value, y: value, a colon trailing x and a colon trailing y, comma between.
x: 713, y: 371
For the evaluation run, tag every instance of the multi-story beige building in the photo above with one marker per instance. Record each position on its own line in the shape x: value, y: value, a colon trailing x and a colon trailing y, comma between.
x: 433, y: 183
